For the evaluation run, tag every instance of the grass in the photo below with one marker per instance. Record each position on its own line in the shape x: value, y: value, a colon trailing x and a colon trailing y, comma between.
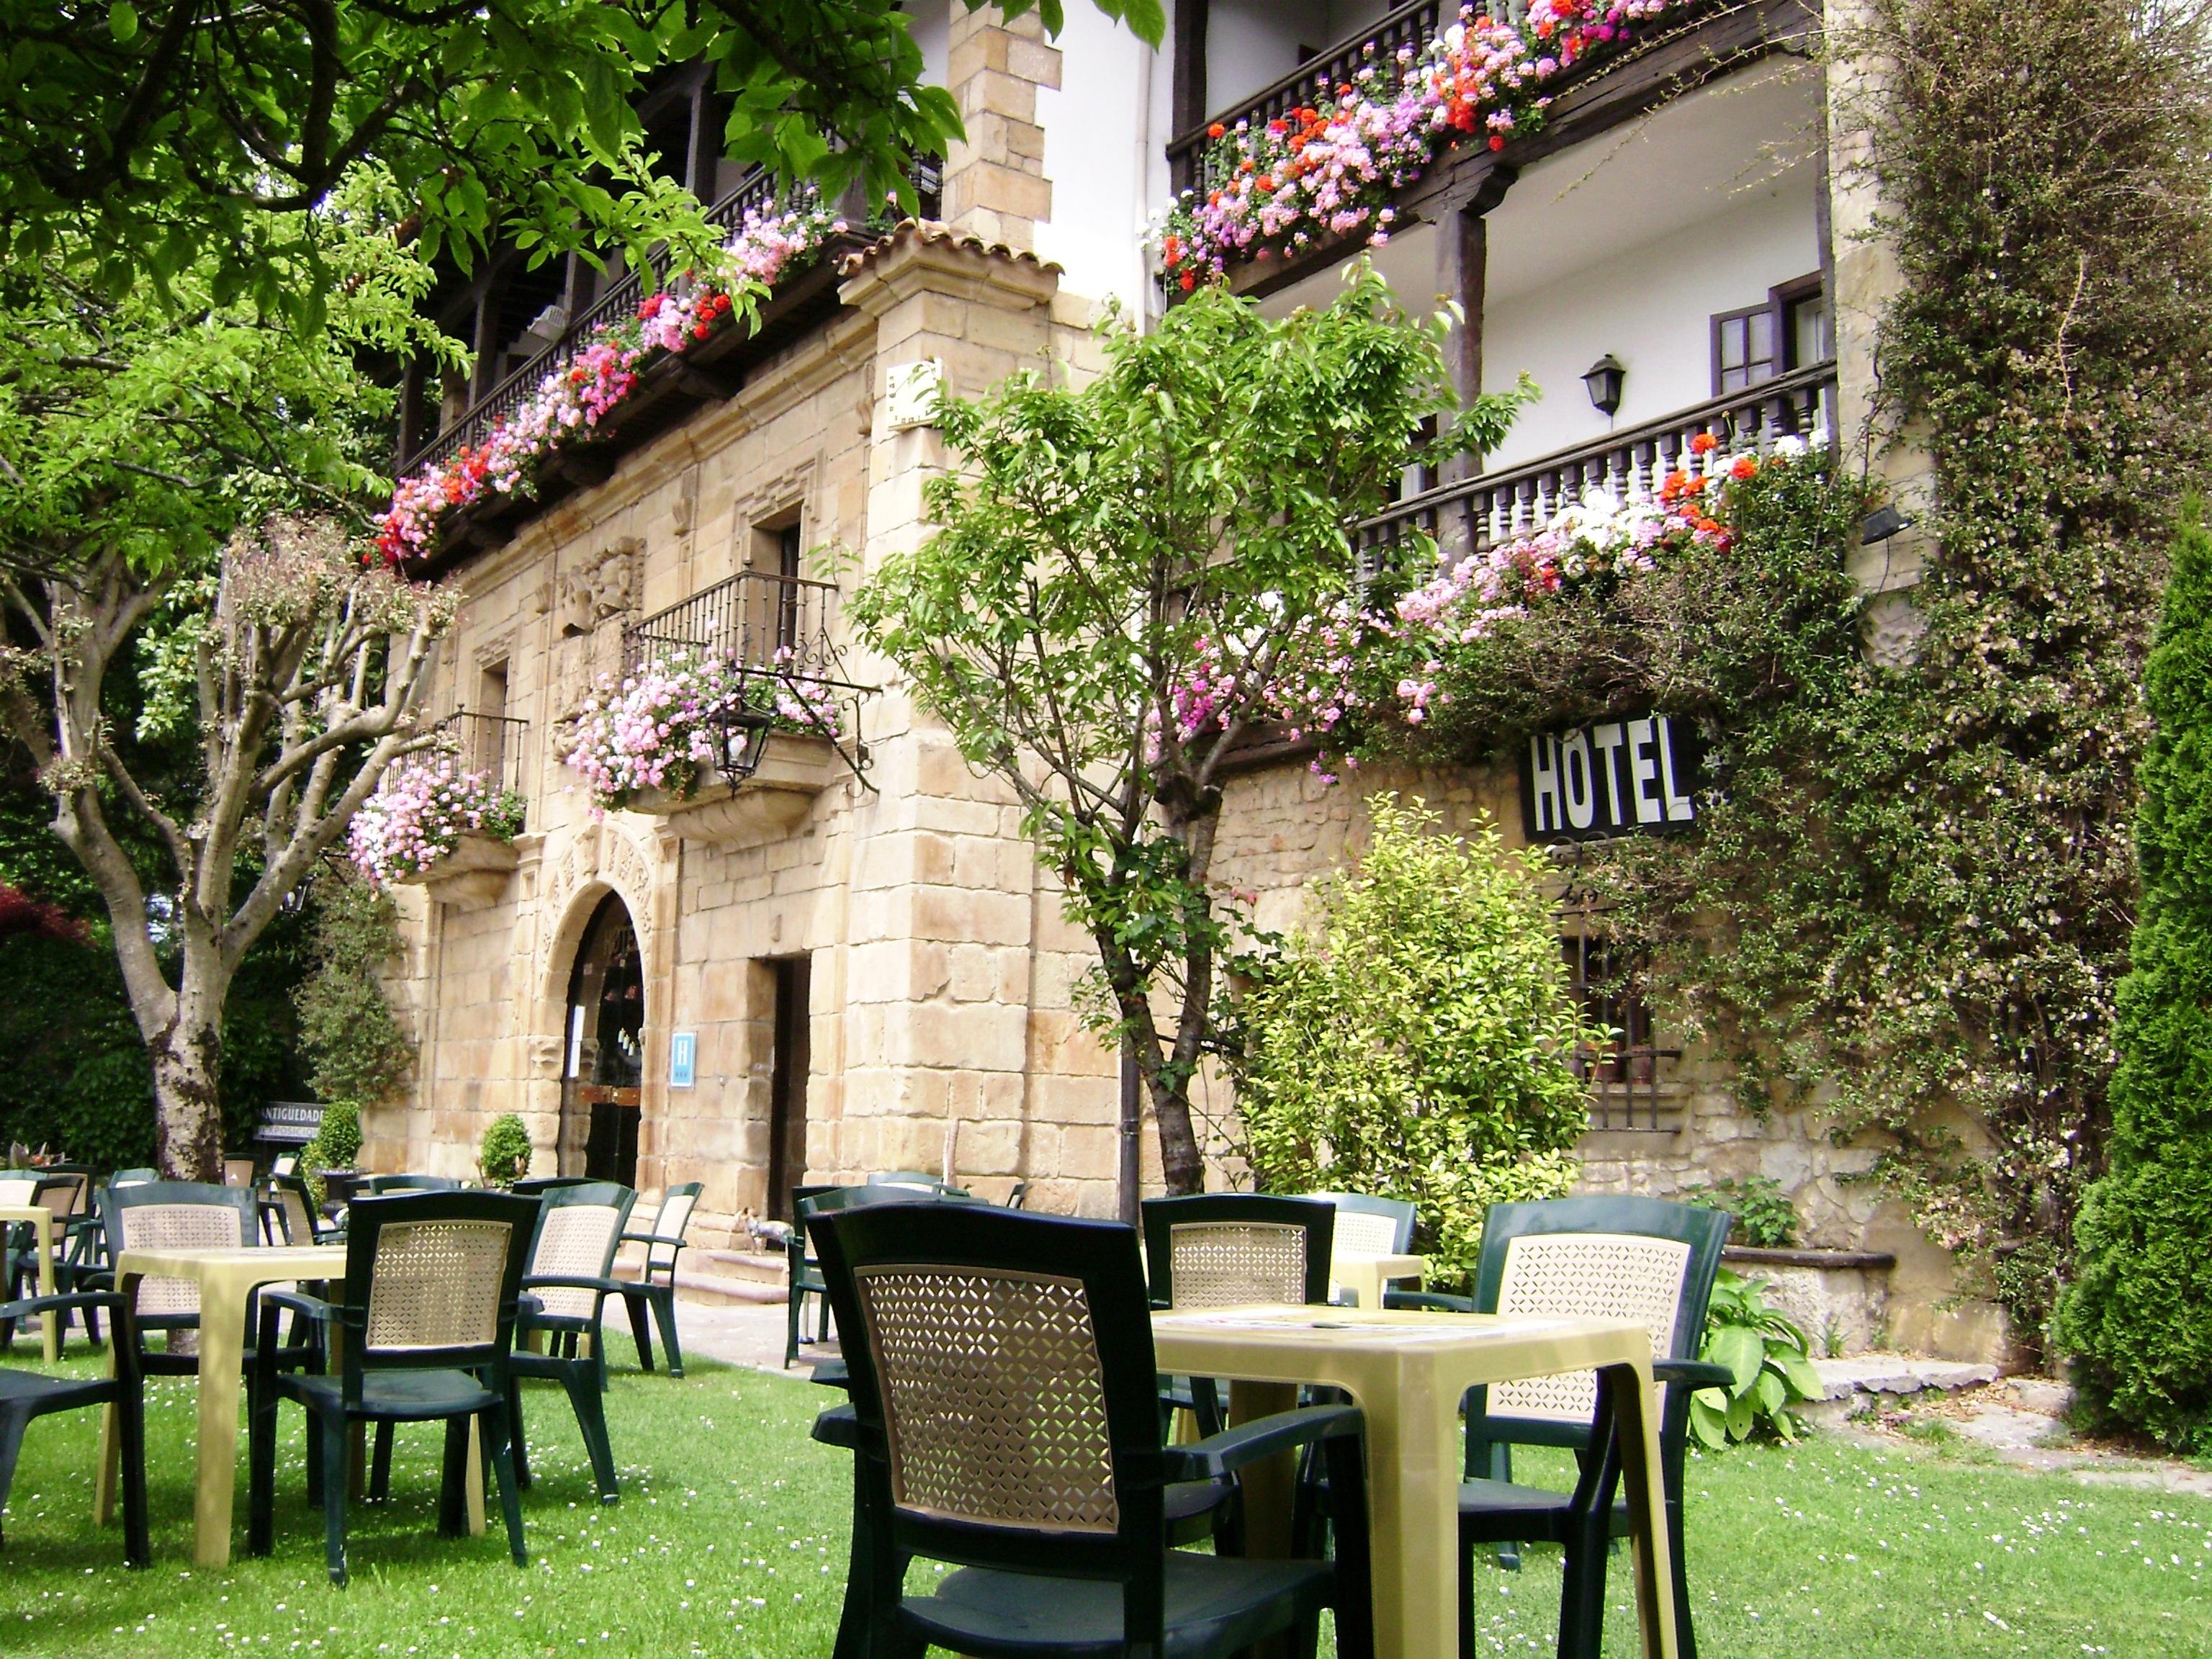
x: 729, y: 1541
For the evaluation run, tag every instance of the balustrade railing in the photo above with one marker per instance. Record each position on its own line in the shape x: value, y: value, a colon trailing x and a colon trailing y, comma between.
x: 1496, y: 506
x: 620, y: 300
x: 759, y: 619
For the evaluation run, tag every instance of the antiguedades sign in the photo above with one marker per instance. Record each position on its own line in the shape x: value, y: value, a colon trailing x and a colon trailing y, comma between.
x: 1638, y: 775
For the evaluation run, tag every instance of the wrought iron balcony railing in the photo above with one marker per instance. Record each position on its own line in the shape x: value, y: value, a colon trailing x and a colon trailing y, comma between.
x: 1467, y: 516
x: 490, y: 743
x: 759, y: 619
x: 757, y: 191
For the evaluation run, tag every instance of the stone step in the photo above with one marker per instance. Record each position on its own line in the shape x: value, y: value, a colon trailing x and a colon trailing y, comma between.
x: 1861, y: 1383
x: 724, y: 1289
x: 752, y: 1265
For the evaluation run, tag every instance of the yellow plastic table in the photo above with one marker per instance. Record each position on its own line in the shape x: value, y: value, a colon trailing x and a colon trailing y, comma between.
x: 226, y: 1278
x: 1365, y: 1276
x: 42, y: 1219
x: 1407, y: 1371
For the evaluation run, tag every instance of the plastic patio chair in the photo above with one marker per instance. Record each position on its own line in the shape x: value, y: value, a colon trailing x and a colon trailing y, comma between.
x: 431, y: 1288
x: 538, y: 1186
x: 566, y: 1286
x: 19, y: 1241
x: 653, y: 1291
x: 382, y: 1186
x: 152, y: 1215
x: 1621, y: 1258
x: 805, y: 1274
x: 25, y: 1396
x: 1004, y: 1417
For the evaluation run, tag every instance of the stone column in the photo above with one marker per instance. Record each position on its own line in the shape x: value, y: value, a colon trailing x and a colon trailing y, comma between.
x: 994, y: 183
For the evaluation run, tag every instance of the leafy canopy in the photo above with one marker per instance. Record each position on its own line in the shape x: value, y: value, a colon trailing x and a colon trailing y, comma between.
x: 1420, y: 1045
x: 152, y: 135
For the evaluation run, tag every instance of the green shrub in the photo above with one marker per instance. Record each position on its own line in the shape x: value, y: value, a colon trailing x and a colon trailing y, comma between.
x: 355, y: 1047
x: 504, y: 1158
x: 338, y: 1143
x: 2138, y: 1319
x: 1418, y: 1046
x: 1765, y: 1218
x: 1767, y: 1354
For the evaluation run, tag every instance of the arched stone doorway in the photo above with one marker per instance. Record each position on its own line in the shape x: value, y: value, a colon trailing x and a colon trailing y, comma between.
x: 603, y: 1049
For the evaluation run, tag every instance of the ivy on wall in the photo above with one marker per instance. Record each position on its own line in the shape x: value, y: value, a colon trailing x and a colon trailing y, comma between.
x: 1911, y: 900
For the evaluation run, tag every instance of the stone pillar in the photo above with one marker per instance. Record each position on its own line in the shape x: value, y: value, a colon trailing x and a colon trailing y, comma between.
x: 994, y: 182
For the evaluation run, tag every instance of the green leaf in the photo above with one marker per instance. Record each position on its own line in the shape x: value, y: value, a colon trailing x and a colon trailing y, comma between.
x: 123, y: 20
x: 1741, y: 1417
x: 1772, y: 1393
x: 1804, y: 1379
x: 1740, y: 1349
x: 1709, y: 1423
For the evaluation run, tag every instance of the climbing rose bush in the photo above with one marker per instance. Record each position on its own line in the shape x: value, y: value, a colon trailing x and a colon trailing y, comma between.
x: 422, y: 806
x: 1329, y: 170
x: 657, y: 728
x: 574, y: 399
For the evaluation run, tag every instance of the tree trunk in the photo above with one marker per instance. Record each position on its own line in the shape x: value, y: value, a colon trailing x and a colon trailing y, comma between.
x: 187, y: 1104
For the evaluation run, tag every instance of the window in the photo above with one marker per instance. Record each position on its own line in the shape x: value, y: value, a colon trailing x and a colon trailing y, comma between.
x: 1758, y: 342
x: 780, y: 546
x: 490, y: 736
x: 1606, y: 977
x: 788, y: 1069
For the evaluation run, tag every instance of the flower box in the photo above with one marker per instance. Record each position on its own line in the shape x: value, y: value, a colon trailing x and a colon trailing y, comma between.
x: 474, y: 872
x: 795, y: 768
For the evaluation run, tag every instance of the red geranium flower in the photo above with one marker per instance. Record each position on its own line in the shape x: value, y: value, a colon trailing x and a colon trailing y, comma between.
x: 1216, y: 130
x: 1704, y: 444
x: 1744, y: 467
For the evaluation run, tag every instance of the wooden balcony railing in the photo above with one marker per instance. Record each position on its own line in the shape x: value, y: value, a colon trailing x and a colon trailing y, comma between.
x: 757, y: 191
x: 1519, y: 501
x: 759, y: 619
x: 1414, y: 26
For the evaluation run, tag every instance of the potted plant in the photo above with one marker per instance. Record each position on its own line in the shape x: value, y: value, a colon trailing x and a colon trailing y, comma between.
x: 504, y: 1157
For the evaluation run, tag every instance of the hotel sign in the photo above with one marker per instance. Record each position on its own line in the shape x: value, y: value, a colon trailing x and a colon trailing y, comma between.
x: 1637, y: 776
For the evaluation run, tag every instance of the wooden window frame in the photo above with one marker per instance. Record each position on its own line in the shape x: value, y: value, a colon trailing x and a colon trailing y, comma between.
x: 1781, y: 300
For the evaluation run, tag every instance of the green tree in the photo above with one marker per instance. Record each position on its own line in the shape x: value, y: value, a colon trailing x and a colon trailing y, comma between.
x: 145, y: 140
x: 1420, y: 1044
x: 357, y: 1048
x: 205, y: 689
x: 1124, y: 576
x: 2138, y: 1318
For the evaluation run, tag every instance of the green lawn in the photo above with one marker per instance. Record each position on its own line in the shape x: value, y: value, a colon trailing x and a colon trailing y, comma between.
x: 730, y: 1540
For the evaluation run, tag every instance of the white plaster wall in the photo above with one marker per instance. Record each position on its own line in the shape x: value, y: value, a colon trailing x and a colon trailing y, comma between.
x: 930, y: 23
x: 1649, y: 306
x: 1250, y: 44
x: 1106, y: 130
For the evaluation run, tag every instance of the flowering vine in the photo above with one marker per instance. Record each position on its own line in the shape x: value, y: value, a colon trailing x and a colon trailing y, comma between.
x: 422, y: 806
x: 568, y: 404
x: 1329, y: 170
x: 661, y: 728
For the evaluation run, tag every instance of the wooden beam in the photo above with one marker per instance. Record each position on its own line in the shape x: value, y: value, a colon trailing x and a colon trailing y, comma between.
x: 1186, y: 98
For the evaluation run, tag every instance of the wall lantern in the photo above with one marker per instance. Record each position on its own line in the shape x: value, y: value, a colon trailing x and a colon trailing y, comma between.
x: 1604, y: 378
x: 744, y: 740
x: 1880, y: 524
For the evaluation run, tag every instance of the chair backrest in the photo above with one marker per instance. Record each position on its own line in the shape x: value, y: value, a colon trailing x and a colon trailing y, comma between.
x: 579, y: 1231
x: 175, y: 1215
x: 909, y: 1178
x: 237, y: 1172
x: 536, y: 1186
x: 1228, y: 1249
x: 377, y: 1186
x: 431, y: 1282
x: 1610, y: 1258
x: 19, y: 1188
x: 671, y: 1222
x: 831, y: 1201
x: 132, y: 1177
x: 296, y: 1205
x: 1002, y: 1367
x: 1019, y: 1198
x: 1370, y: 1226
x: 284, y: 1163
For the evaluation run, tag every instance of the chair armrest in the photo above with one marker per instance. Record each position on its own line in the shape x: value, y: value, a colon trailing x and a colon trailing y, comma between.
x: 839, y: 1426
x: 303, y: 1305
x: 652, y: 1238
x: 832, y: 1374
x: 1694, y: 1374
x: 572, y: 1282
x: 98, y: 1279
x: 1436, y: 1301
x: 1232, y: 1449
x: 31, y: 1306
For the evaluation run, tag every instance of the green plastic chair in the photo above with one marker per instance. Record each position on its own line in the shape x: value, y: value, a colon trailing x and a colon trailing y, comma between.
x: 383, y: 1186
x: 1625, y: 1258
x: 433, y: 1281
x: 805, y: 1273
x: 653, y: 1291
x: 27, y: 1396
x: 566, y: 1287
x: 1046, y: 1488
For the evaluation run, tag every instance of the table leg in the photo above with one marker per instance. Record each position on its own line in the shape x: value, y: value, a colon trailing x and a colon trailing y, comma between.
x: 45, y: 1227
x: 474, y: 1485
x: 223, y: 1348
x: 1413, y: 1507
x: 1644, y: 1487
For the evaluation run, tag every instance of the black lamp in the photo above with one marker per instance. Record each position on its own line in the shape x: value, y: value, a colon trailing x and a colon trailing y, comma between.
x: 1604, y: 378
x: 744, y: 740
x: 1881, y: 524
